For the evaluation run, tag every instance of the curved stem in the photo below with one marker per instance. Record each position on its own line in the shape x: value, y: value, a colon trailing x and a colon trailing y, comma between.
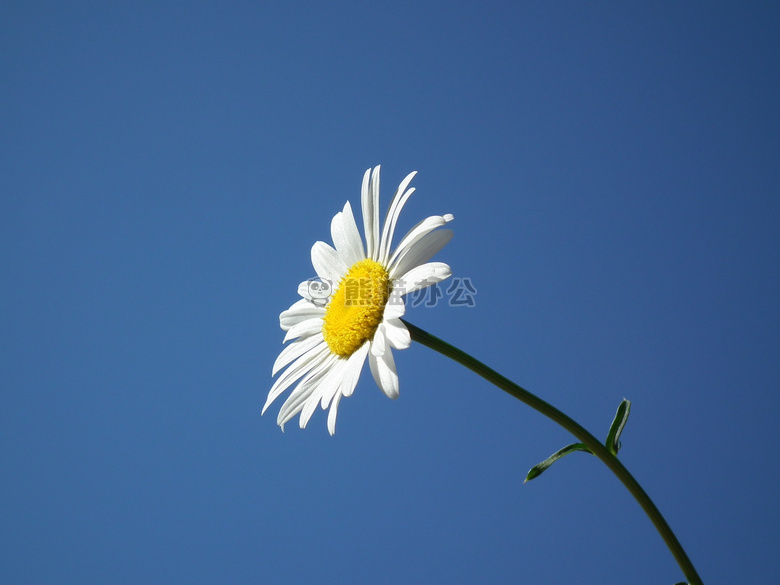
x: 596, y: 447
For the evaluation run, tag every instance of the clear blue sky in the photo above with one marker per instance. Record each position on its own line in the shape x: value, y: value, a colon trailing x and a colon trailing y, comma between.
x: 165, y: 167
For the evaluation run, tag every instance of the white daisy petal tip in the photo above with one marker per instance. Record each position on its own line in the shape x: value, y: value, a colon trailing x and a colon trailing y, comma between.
x: 397, y: 307
x: 397, y: 334
x: 378, y: 345
x: 385, y: 374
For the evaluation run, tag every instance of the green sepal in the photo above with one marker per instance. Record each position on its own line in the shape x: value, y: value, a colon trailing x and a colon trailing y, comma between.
x: 621, y: 416
x: 540, y: 468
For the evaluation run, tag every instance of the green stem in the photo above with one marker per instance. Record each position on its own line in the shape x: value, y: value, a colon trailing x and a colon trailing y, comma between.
x: 596, y: 447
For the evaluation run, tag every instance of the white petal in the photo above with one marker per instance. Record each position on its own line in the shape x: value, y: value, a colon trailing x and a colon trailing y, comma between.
x: 354, y: 367
x: 395, y: 307
x: 304, y: 329
x: 332, y: 414
x: 300, y: 302
x: 399, y: 200
x: 378, y: 343
x: 383, y: 369
x: 420, y: 252
x: 425, y: 276
x: 397, y: 334
x: 327, y: 262
x: 418, y: 232
x: 293, y: 351
x: 326, y: 388
x: 370, y: 203
x: 303, y: 392
x: 346, y: 237
x: 301, y: 366
x: 295, y: 401
x: 300, y: 311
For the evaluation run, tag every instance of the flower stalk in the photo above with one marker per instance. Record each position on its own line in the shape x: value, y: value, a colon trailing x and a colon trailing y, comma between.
x: 595, y: 446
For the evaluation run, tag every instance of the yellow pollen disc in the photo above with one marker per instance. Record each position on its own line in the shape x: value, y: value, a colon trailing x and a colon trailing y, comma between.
x: 355, y: 310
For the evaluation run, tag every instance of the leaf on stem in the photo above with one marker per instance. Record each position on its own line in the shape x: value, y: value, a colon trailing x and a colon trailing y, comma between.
x: 540, y: 468
x: 621, y: 416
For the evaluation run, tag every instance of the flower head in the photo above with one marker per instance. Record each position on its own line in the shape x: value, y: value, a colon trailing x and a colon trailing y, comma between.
x: 353, y: 310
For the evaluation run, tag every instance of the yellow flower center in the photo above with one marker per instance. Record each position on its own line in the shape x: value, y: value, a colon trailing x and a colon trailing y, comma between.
x: 355, y: 310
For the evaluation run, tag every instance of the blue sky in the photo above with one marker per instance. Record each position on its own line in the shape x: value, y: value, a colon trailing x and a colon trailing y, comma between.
x: 164, y: 170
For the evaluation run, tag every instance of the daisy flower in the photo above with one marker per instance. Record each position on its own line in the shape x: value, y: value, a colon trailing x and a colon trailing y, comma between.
x: 353, y: 310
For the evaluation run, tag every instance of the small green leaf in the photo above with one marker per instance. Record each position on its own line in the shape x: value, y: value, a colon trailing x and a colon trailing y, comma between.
x: 540, y: 468
x: 621, y: 416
